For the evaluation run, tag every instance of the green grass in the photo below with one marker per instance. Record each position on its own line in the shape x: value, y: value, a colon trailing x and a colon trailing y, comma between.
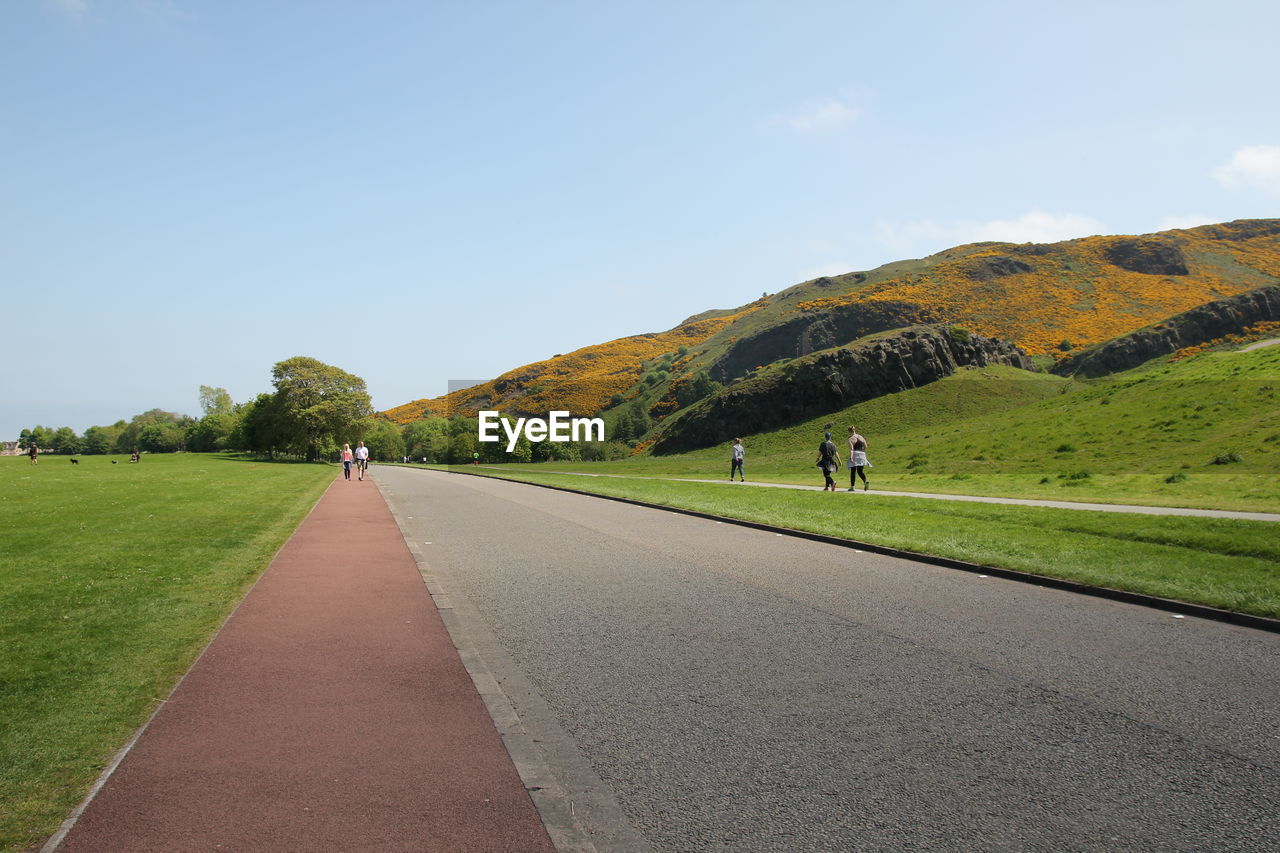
x: 112, y: 578
x: 1003, y: 432
x: 1234, y: 565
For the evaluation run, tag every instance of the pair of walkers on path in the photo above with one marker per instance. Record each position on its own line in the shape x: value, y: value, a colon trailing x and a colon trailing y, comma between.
x: 360, y: 456
x: 828, y: 461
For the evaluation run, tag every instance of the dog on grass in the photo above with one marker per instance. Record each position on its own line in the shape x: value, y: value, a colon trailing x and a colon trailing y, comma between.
x: 75, y: 461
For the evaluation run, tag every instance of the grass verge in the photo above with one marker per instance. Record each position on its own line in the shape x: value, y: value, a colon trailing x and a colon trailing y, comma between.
x: 112, y: 579
x: 1224, y: 563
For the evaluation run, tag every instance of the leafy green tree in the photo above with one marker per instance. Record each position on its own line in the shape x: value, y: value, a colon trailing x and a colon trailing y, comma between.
x: 211, y: 432
x: 317, y: 404
x: 461, y: 446
x: 639, y: 419
x: 162, y: 437
x: 427, y: 438
x: 554, y: 451
x: 215, y: 401
x: 171, y: 436
x: 65, y: 440
x: 257, y: 428
x: 702, y: 385
x: 100, y: 439
x: 384, y: 441
x: 522, y: 452
x: 40, y: 436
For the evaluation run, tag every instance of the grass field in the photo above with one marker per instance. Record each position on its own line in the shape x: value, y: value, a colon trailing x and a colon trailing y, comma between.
x: 112, y: 578
x: 1147, y: 436
x: 1234, y: 565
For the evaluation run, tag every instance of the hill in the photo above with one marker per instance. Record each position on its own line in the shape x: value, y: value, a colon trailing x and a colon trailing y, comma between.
x: 1051, y: 300
x: 1198, y: 428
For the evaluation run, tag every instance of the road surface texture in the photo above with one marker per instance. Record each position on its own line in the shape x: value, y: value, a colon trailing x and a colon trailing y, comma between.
x: 331, y: 712
x: 709, y: 687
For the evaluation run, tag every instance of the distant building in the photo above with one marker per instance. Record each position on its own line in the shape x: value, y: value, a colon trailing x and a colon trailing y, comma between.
x: 9, y: 448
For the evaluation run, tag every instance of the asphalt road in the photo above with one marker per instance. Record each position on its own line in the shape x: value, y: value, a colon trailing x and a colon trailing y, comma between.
x: 713, y: 687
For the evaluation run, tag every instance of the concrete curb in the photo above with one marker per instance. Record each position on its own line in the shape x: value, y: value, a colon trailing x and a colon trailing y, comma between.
x: 1182, y: 608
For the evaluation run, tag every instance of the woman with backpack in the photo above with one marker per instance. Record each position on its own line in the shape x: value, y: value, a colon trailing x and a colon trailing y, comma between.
x: 828, y: 461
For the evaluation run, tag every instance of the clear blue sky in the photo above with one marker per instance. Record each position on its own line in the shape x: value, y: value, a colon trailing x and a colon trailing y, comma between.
x: 193, y: 190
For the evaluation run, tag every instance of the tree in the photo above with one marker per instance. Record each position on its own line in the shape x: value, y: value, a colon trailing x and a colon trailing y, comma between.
x: 99, y: 439
x: 211, y: 432
x: 639, y: 418
x: 162, y: 437
x: 700, y: 386
x: 317, y: 404
x: 40, y: 436
x: 258, y: 427
x: 215, y: 401
x: 65, y: 440
x: 171, y: 438
x: 427, y: 438
x: 384, y: 441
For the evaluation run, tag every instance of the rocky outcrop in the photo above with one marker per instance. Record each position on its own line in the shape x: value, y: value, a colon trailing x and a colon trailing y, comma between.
x: 997, y: 266
x: 808, y: 333
x: 1153, y: 257
x: 1206, y: 323
x: 832, y: 380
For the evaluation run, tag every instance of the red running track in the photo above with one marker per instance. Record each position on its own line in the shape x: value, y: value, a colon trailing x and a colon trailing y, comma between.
x: 331, y: 712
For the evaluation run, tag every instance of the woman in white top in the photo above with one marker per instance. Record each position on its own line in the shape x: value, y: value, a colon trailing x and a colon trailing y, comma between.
x: 858, y: 460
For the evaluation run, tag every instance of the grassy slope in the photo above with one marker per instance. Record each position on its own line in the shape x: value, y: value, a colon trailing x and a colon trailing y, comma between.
x: 112, y: 579
x: 998, y: 431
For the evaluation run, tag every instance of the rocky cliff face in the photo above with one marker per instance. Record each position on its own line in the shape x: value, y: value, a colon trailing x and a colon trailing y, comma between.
x: 834, y: 379
x: 808, y: 333
x: 1204, y: 323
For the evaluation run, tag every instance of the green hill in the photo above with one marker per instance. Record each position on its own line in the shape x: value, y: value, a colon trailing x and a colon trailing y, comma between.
x: 1201, y: 431
x: 1051, y: 300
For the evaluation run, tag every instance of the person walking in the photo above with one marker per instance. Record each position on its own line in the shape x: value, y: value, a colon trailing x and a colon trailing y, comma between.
x: 739, y: 456
x: 858, y: 460
x: 346, y: 461
x: 828, y: 461
x: 362, y: 460
x: 32, y: 452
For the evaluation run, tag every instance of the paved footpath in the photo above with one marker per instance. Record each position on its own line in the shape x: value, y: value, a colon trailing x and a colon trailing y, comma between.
x: 331, y: 712
x: 1094, y: 507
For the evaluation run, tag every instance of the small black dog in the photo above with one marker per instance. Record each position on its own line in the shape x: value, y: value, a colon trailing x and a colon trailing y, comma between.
x: 75, y: 461
x: 114, y: 462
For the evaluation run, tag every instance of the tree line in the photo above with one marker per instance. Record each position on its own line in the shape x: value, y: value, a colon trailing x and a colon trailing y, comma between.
x: 314, y: 409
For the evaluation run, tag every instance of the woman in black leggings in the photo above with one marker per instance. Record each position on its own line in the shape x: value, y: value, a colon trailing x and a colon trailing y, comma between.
x: 858, y: 463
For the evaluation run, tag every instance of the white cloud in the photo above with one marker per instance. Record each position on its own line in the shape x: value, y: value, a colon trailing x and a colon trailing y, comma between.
x: 926, y: 236
x: 1037, y: 227
x: 1252, y: 167
x: 818, y: 116
x: 1190, y: 220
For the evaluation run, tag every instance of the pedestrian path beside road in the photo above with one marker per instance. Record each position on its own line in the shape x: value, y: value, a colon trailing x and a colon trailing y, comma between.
x: 1129, y: 508
x: 331, y: 712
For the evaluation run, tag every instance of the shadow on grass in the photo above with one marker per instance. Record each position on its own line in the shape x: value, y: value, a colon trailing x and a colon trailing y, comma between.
x: 274, y: 460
